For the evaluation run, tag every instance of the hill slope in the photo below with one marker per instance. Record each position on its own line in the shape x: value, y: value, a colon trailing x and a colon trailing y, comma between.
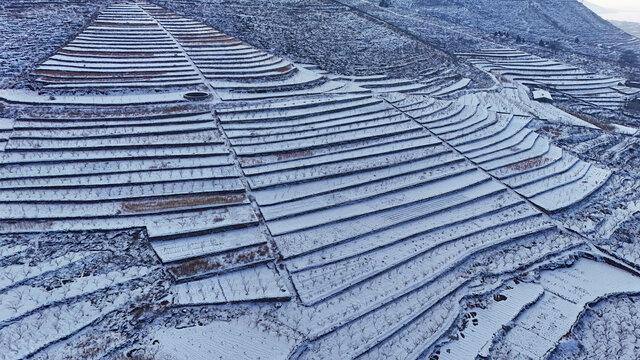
x: 557, y: 19
x: 571, y: 32
x: 632, y: 28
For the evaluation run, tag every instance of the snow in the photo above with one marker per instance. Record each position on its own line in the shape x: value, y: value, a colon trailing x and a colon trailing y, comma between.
x: 54, y: 323
x: 31, y: 97
x: 299, y: 77
x: 185, y: 248
x: 255, y: 283
x: 235, y: 339
x: 536, y: 72
x: 15, y: 274
x: 485, y: 322
x: 21, y: 300
x: 6, y: 251
x: 360, y: 213
x: 434, y: 84
x: 566, y: 292
x: 461, y: 84
x: 541, y: 95
x: 556, y: 198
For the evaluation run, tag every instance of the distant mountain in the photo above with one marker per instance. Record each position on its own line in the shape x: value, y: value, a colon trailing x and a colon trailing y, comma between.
x: 632, y: 28
x: 598, y: 8
x: 628, y: 12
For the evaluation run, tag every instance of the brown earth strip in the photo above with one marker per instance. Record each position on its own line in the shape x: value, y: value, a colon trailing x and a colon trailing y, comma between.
x: 124, y: 24
x: 294, y: 154
x: 529, y: 163
x: 205, y: 42
x: 174, y: 202
x: 109, y: 53
x: 220, y: 261
x: 91, y: 73
x: 284, y: 69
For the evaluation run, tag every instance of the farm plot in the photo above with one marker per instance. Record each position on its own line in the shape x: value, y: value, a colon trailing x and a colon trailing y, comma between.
x: 227, y: 62
x: 564, y: 81
x: 608, y: 327
x: 123, y: 47
x: 93, y: 169
x: 216, y: 54
x: 6, y: 127
x: 481, y: 319
x: 142, y: 45
x: 526, y: 319
x: 167, y: 169
x: 53, y: 286
x: 381, y: 224
x: 567, y: 292
x: 431, y: 83
x: 502, y: 145
x: 256, y: 283
x: 231, y: 342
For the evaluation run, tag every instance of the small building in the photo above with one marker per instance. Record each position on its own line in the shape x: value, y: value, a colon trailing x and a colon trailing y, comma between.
x: 542, y: 96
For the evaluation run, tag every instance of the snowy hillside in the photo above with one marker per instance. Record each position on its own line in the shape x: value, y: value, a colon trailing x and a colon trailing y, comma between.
x: 632, y: 28
x: 537, y: 19
x: 170, y: 190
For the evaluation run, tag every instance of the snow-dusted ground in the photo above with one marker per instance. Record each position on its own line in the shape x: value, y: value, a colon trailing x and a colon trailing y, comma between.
x: 608, y: 328
x: 294, y: 213
x: 230, y: 343
x: 564, y: 81
x: 314, y: 31
x: 566, y: 293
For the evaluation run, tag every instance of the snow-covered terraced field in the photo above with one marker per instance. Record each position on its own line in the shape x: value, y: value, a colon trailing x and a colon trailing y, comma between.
x: 565, y: 81
x: 219, y: 56
x: 431, y: 83
x: 368, y: 209
x: 377, y: 209
x: 70, y: 287
x: 167, y: 170
x: 123, y: 47
x: 525, y: 320
x: 142, y: 45
x: 504, y: 147
x: 566, y: 293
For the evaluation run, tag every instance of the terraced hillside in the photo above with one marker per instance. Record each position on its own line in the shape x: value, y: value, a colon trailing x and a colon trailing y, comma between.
x: 217, y: 191
x: 435, y: 83
x: 566, y: 82
x: 315, y: 31
x: 564, y: 31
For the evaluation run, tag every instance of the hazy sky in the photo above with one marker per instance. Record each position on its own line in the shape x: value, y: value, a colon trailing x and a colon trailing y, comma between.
x: 627, y: 10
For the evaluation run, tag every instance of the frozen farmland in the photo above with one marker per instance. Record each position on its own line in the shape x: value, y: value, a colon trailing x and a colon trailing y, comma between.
x: 563, y: 80
x: 169, y: 191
